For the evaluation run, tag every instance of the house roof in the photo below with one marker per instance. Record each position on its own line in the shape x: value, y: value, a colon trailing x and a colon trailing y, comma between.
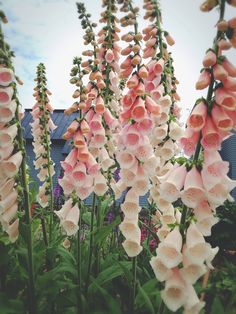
x: 60, y: 120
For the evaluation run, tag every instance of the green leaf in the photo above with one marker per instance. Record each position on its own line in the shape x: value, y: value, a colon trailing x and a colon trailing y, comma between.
x: 127, y: 273
x: 150, y: 289
x: 101, y: 234
x: 147, y: 301
x: 86, y: 217
x: 9, y: 306
x: 217, y: 307
x: 110, y: 302
x: 109, y: 274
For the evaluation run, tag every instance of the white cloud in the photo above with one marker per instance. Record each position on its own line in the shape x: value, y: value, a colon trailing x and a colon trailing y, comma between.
x: 49, y: 31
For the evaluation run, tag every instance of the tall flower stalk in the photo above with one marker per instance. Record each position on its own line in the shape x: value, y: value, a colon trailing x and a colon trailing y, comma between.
x: 201, y: 183
x: 42, y: 125
x: 13, y: 161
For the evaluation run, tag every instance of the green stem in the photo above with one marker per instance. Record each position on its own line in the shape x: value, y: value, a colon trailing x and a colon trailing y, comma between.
x: 49, y: 169
x: 91, y: 241
x: 159, y: 30
x: 134, y: 272
x: 161, y: 307
x: 97, y: 249
x: 45, y: 239
x: 26, y: 202
x: 79, y: 264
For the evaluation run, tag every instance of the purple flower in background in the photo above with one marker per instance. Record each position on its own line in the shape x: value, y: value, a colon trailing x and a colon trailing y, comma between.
x: 57, y: 191
x: 110, y: 217
x: 116, y: 174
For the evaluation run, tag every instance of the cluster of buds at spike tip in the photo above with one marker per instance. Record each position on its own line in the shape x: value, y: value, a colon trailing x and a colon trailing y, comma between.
x: 133, y: 39
x: 109, y: 54
x: 87, y: 25
x: 201, y: 184
x: 42, y: 126
x: 10, y: 154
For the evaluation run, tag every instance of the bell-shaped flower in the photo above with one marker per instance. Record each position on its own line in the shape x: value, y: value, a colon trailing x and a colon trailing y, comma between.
x: 168, y: 216
x: 169, y: 250
x: 5, y: 96
x: 64, y: 209
x: 225, y: 99
x: 105, y: 160
x: 191, y: 271
x: 160, y: 132
x: 175, y: 131
x: 193, y: 305
x: 7, y: 135
x: 84, y: 192
x: 7, y: 113
x: 70, y: 222
x: 43, y: 196
x: 189, y: 141
x: 8, y: 215
x: 126, y: 159
x: 6, y: 76
x: 6, y: 152
x: 211, y: 139
x: 170, y: 188
x: 163, y: 232
x: 175, y: 293
x: 167, y: 151
x: 193, y: 191
x: 130, y: 230
x: 132, y: 248
x: 6, y: 187
x: 161, y: 272
x: 8, y: 201
x: 205, y: 218
x: 221, y: 120
x: 197, y: 250
x: 203, y: 80
x: 68, y: 184
x: 118, y: 188
x: 100, y: 185
x: 197, y: 118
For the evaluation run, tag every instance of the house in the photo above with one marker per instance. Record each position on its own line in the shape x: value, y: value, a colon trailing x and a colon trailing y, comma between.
x: 60, y: 148
x: 228, y: 153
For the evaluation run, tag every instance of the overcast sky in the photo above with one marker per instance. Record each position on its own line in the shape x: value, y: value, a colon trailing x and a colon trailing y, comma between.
x: 49, y: 31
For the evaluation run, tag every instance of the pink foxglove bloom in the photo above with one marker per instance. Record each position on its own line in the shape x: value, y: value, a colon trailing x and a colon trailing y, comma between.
x: 170, y: 188
x: 132, y: 248
x: 197, y: 250
x: 197, y: 118
x: 7, y: 113
x: 189, y: 141
x: 161, y: 272
x: 221, y: 120
x: 193, y: 191
x: 225, y: 99
x: 204, y: 80
x: 193, y: 305
x: 169, y: 250
x: 211, y: 139
x: 6, y: 76
x: 70, y: 222
x: 5, y: 96
x: 175, y: 293
x: 209, y: 59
